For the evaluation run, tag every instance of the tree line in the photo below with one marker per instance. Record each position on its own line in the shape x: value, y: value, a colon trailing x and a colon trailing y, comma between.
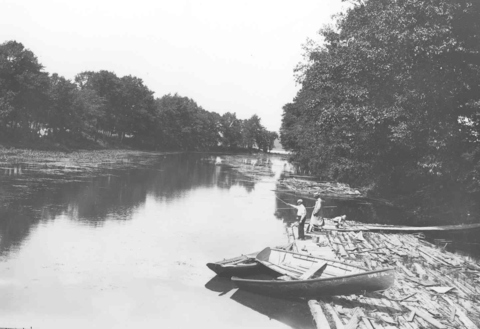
x: 390, y: 100
x: 102, y: 108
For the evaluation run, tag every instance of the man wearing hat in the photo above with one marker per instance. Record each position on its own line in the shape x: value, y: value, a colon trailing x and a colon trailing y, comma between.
x: 301, y: 217
x: 316, y: 221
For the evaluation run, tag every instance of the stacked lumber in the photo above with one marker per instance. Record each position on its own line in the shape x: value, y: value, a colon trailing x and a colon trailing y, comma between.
x: 433, y: 289
x: 311, y: 187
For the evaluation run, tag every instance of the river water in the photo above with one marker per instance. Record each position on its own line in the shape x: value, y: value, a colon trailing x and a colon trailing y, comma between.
x: 125, y: 245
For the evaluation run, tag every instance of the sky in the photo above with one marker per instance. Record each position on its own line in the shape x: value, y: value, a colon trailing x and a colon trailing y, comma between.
x: 228, y: 56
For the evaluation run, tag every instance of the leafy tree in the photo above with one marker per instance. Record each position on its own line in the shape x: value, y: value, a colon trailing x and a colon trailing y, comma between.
x: 119, y: 109
x: 61, y: 115
x: 180, y: 122
x: 391, y: 100
x: 107, y: 86
x: 231, y: 130
x: 251, y: 131
x: 23, y: 90
x: 89, y: 109
x: 135, y: 112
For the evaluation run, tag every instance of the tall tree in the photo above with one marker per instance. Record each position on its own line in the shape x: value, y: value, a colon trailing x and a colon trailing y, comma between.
x: 392, y: 100
x: 108, y: 86
x: 231, y: 130
x: 135, y: 111
x: 23, y: 90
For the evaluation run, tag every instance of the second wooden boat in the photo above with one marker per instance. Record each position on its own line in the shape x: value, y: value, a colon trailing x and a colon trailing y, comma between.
x: 241, y: 265
x: 311, y: 276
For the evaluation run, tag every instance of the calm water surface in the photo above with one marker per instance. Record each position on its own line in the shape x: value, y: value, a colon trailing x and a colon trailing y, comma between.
x: 127, y: 247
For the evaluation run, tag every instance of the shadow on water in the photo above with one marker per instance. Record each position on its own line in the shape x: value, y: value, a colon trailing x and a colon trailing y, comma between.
x: 294, y: 313
x: 30, y: 194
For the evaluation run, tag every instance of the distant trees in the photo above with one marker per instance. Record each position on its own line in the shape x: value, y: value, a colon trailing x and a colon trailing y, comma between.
x: 185, y: 125
x: 23, y: 91
x: 102, y: 106
x: 231, y: 130
x: 391, y: 100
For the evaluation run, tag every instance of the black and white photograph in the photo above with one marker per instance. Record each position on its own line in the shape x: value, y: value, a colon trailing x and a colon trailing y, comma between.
x: 240, y: 164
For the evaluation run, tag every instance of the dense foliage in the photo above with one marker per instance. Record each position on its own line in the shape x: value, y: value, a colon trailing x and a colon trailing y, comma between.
x: 391, y: 101
x: 102, y: 108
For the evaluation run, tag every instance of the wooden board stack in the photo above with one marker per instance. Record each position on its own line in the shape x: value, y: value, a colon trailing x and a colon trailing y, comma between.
x: 433, y: 289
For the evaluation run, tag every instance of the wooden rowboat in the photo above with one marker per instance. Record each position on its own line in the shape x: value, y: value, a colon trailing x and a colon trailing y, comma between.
x: 311, y: 276
x: 399, y: 228
x: 241, y: 265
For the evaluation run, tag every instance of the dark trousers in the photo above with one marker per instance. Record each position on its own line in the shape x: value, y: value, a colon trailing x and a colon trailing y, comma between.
x: 301, y: 227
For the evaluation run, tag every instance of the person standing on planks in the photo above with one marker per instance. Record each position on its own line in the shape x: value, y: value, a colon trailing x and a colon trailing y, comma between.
x: 301, y: 217
x: 316, y: 221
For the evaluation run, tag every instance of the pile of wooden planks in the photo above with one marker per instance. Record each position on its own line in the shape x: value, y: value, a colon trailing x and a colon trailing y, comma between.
x: 307, y: 186
x: 433, y: 289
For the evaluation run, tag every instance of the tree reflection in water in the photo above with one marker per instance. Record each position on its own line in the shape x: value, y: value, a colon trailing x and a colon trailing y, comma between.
x: 30, y: 194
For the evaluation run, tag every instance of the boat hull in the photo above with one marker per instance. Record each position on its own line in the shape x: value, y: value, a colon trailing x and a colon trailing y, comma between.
x: 342, y: 285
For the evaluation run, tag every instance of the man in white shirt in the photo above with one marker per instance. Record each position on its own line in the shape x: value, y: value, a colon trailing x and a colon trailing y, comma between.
x: 301, y: 217
x: 316, y: 221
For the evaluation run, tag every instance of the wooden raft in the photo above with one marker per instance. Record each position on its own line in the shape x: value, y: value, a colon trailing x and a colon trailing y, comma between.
x: 433, y: 288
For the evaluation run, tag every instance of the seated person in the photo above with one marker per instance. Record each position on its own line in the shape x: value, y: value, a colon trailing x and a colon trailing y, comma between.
x: 339, y: 220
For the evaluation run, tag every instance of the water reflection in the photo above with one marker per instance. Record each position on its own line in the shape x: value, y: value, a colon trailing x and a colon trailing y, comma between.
x: 126, y: 245
x: 294, y: 313
x: 129, y: 243
x: 105, y: 195
x: 13, y: 170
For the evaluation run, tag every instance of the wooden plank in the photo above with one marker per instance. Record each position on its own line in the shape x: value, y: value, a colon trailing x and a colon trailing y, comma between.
x: 447, y: 280
x: 433, y: 307
x: 452, y: 315
x: 314, y: 259
x: 426, y: 317
x: 390, y: 304
x: 282, y: 269
x: 419, y: 269
x: 433, y: 254
x: 466, y: 282
x: 354, y: 300
x: 461, y: 315
x: 341, y: 248
x: 422, y: 282
x: 352, y: 324
x: 441, y: 290
x: 334, y: 314
x: 411, y: 316
x: 404, y: 269
x: 314, y: 269
x: 366, y: 321
x: 366, y: 242
x: 318, y: 315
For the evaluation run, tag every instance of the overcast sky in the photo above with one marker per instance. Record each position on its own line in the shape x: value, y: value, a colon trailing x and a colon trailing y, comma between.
x: 235, y: 56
